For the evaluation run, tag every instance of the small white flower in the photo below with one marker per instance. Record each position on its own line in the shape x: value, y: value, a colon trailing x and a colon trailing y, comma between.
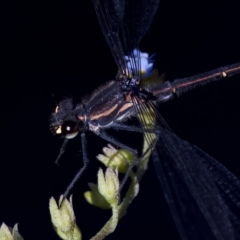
x: 146, y: 63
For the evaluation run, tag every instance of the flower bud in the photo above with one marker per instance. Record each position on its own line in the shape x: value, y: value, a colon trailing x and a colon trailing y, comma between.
x: 108, y: 185
x: 8, y: 233
x: 116, y: 159
x: 63, y: 219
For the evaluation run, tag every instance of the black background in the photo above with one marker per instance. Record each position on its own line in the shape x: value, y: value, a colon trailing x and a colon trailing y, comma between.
x: 55, y: 49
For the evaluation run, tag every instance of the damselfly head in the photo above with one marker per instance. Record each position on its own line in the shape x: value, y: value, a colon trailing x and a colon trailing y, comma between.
x: 65, y: 120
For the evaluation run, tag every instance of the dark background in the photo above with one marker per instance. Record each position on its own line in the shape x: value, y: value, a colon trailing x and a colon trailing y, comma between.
x: 54, y: 49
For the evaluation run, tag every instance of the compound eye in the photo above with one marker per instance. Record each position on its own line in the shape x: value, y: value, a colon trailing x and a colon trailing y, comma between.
x: 69, y: 129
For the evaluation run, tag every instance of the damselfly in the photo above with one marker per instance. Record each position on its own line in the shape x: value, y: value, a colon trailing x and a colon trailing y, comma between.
x: 203, y: 196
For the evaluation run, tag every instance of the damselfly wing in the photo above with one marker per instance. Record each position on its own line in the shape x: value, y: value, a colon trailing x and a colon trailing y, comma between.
x: 202, y: 206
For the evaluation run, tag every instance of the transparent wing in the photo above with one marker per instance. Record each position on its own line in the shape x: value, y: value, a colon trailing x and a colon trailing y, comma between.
x: 110, y: 15
x: 124, y: 23
x: 203, y: 196
x: 138, y: 18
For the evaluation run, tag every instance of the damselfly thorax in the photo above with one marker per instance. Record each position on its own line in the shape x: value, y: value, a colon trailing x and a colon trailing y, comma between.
x: 104, y: 107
